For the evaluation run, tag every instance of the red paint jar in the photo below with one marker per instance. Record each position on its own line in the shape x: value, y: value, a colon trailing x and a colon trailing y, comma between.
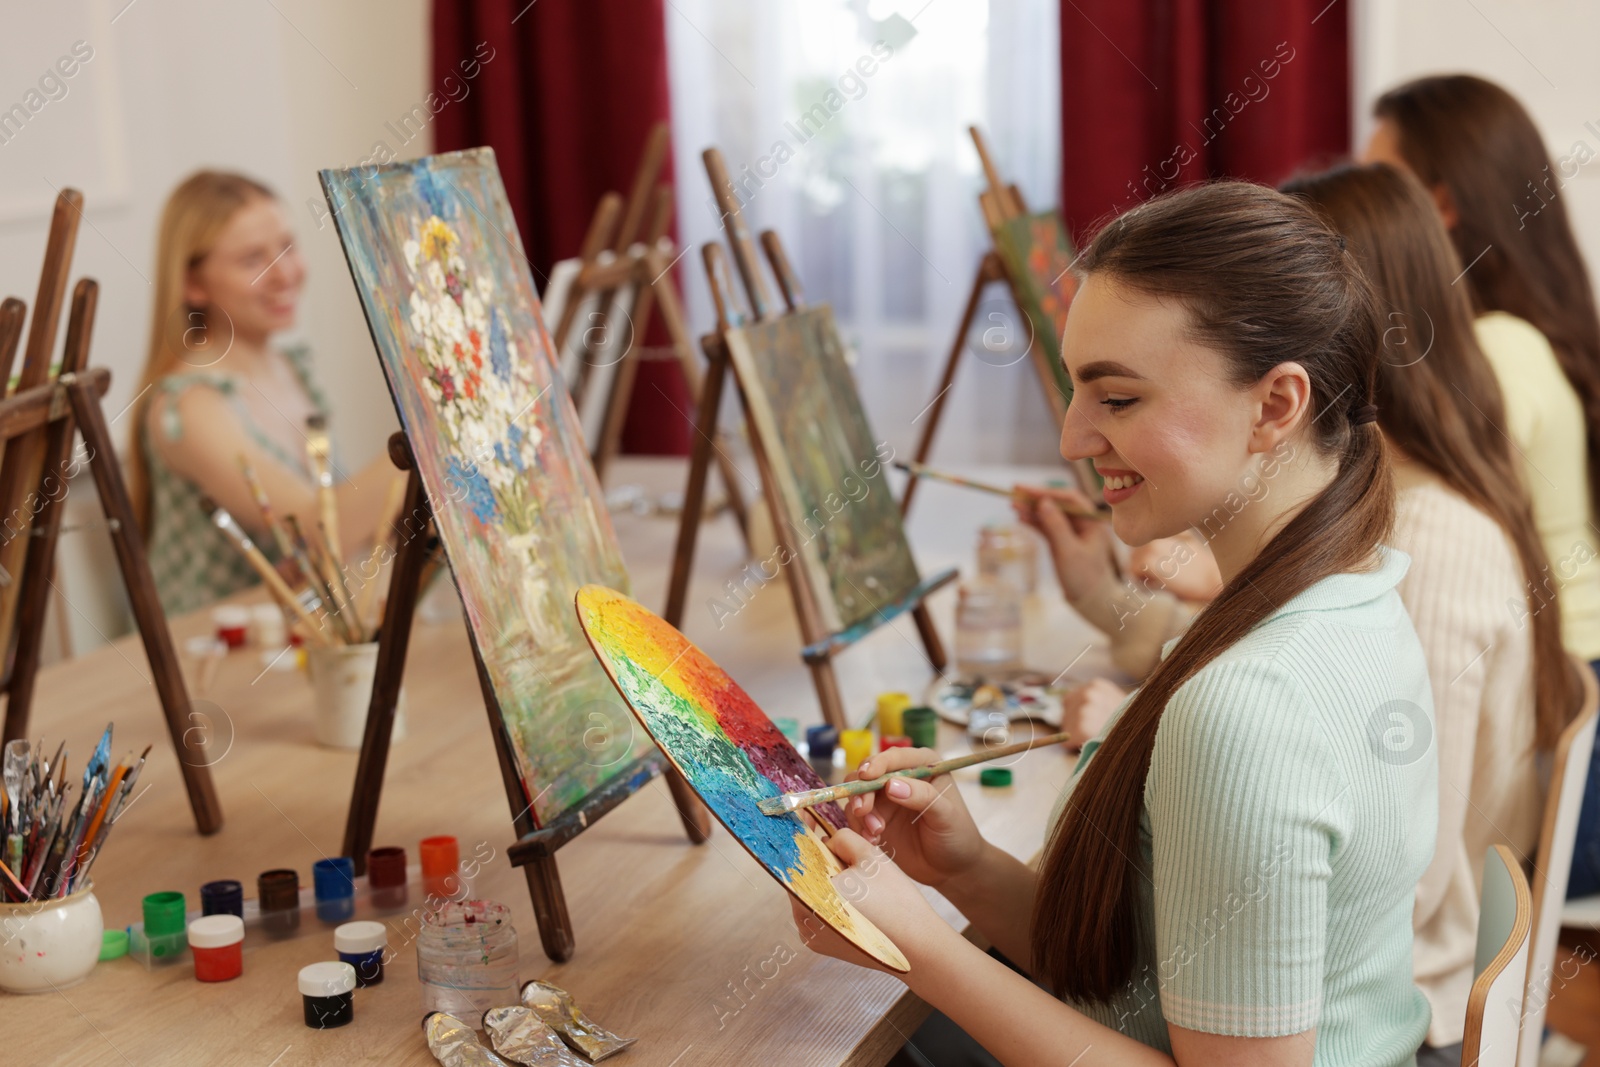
x: 233, y: 625
x: 386, y: 877
x: 217, y: 942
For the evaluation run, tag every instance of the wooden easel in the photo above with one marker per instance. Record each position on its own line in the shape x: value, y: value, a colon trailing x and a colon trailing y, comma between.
x: 36, y: 427
x: 999, y: 203
x: 820, y: 645
x: 536, y: 846
x: 613, y: 258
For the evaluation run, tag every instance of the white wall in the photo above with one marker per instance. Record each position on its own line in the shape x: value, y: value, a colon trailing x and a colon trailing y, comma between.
x: 1543, y: 53
x: 273, y: 88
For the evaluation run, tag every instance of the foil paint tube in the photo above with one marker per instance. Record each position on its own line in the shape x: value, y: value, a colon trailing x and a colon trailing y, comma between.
x: 455, y: 1044
x: 557, y: 1009
x: 520, y: 1036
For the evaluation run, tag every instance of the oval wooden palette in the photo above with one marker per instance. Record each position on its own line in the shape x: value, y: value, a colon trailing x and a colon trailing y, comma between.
x: 729, y: 751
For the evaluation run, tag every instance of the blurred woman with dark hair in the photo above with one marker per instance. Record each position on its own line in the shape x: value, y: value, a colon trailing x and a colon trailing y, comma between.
x: 1478, y: 153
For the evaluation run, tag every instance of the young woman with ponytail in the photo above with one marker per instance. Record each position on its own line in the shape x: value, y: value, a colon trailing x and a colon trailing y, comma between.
x: 1230, y: 878
x: 1477, y: 590
x: 1477, y: 151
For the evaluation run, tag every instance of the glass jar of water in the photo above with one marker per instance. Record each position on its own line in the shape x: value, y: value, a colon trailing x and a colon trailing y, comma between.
x: 1008, y: 552
x: 467, y: 959
x: 989, y: 629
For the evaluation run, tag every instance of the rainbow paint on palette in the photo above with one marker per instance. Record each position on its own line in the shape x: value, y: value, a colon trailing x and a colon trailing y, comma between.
x: 730, y: 752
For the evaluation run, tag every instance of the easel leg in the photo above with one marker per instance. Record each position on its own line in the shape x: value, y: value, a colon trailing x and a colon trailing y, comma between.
x: 930, y: 637
x: 39, y: 562
x: 696, y: 816
x: 694, y: 491
x: 828, y: 695
x: 550, y: 908
x: 129, y: 544
x: 616, y: 414
x: 394, y: 638
x: 677, y: 329
x: 989, y: 270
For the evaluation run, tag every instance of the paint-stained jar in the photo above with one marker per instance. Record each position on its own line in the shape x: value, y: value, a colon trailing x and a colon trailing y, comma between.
x: 467, y: 958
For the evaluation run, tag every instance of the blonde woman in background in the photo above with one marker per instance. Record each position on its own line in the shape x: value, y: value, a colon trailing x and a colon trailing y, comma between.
x: 215, y: 389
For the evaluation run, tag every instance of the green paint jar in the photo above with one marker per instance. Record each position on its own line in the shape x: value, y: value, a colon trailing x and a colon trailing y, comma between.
x: 164, y: 921
x: 922, y: 726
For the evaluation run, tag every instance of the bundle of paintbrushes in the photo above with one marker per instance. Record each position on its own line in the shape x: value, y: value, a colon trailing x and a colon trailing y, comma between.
x: 51, y: 839
x: 333, y: 615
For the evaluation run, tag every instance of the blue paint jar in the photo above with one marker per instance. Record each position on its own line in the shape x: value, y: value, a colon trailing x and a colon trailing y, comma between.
x: 820, y: 743
x: 362, y: 946
x: 334, y: 882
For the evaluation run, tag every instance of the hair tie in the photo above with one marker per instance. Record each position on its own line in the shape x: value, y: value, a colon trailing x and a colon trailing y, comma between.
x: 1364, y: 414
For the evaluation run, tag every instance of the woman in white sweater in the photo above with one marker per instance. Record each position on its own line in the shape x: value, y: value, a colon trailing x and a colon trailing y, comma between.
x: 1502, y: 684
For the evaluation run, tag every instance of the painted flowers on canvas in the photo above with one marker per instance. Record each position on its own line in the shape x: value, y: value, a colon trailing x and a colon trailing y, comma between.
x: 451, y: 302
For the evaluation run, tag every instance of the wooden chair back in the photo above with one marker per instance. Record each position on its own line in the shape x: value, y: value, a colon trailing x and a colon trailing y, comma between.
x: 1553, y: 862
x: 1494, y: 1008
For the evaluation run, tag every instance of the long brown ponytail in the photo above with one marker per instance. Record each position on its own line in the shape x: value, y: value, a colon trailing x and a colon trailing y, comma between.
x: 1266, y: 281
x: 1438, y: 399
x: 1474, y: 138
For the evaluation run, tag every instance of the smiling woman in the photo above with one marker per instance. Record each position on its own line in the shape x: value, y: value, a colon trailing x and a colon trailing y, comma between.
x: 216, y: 394
x: 1231, y: 874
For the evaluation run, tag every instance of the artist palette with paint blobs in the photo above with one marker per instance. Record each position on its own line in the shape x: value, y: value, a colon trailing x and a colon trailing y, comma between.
x: 730, y: 753
x: 1028, y: 696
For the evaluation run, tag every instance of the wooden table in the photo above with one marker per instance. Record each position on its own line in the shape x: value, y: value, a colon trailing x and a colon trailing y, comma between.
x: 672, y: 940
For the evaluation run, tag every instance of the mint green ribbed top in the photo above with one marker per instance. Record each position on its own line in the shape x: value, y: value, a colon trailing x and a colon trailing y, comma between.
x: 1290, y: 809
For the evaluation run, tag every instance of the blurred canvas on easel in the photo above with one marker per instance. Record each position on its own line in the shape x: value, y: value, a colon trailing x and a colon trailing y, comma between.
x: 1033, y: 255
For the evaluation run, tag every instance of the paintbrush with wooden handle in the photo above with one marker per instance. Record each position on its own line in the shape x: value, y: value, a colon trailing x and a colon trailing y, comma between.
x: 788, y: 802
x: 319, y: 450
x: 920, y: 471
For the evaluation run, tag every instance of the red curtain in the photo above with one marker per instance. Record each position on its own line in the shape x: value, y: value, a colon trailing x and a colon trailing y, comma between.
x: 565, y: 98
x: 1159, y: 93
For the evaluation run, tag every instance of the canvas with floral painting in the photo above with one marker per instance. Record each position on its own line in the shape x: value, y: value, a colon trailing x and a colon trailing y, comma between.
x: 449, y: 296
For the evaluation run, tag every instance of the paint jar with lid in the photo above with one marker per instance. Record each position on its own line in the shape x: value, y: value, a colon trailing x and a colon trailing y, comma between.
x: 820, y: 743
x: 163, y: 925
x: 857, y: 745
x: 386, y: 877
x: 267, y: 627
x: 217, y: 942
x: 223, y: 897
x: 334, y: 882
x: 278, y: 897
x: 362, y: 946
x: 922, y: 726
x: 441, y: 856
x: 890, y: 708
x: 327, y: 991
x: 467, y: 958
x: 233, y: 624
